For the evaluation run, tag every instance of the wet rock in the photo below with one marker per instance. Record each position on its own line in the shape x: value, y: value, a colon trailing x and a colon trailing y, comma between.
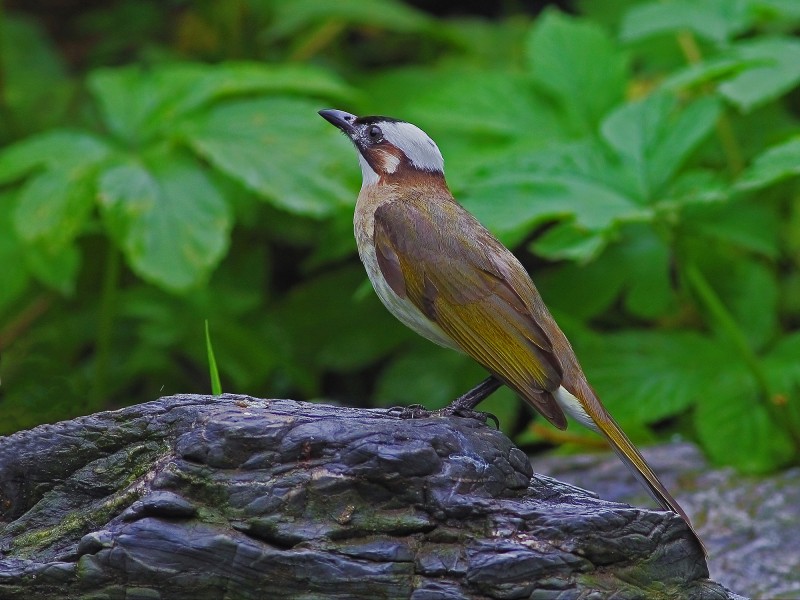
x: 195, y: 497
x: 750, y: 525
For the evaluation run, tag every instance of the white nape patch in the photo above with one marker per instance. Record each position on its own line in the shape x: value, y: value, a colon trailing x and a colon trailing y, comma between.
x: 420, y: 149
x: 369, y: 176
x: 573, y: 408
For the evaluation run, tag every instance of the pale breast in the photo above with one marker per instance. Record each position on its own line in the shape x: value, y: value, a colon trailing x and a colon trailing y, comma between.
x: 408, y: 314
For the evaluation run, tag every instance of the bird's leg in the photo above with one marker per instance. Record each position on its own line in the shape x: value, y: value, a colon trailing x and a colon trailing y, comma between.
x: 467, y: 402
x: 463, y: 406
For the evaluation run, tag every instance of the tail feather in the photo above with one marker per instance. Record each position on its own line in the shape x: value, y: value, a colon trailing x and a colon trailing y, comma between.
x: 597, y: 417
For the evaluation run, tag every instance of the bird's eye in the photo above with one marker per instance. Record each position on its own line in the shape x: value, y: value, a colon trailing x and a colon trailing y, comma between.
x: 374, y: 133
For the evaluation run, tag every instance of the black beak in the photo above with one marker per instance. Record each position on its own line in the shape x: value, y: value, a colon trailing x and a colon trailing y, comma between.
x: 342, y: 120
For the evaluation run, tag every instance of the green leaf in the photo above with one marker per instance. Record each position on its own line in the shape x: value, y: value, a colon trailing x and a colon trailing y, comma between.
x: 778, y: 72
x: 749, y: 225
x: 35, y: 84
x: 53, y: 208
x: 648, y: 376
x: 578, y: 62
x: 575, y: 183
x: 654, y: 138
x: 714, y: 20
x: 707, y: 71
x: 14, y: 276
x: 141, y: 104
x: 324, y: 327
x: 783, y: 370
x: 168, y: 219
x: 279, y: 148
x: 57, y: 269
x: 289, y: 19
x: 566, y: 241
x: 69, y: 152
x: 474, y: 115
x: 238, y: 79
x: 137, y: 104
x: 736, y: 429
x: 775, y: 164
x: 749, y: 290
x: 636, y: 268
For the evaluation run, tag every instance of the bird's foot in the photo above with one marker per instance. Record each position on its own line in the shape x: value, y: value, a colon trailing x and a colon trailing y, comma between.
x: 417, y: 411
x: 412, y: 411
x: 454, y: 410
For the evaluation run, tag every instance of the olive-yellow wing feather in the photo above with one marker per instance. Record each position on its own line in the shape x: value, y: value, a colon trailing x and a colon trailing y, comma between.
x: 474, y: 290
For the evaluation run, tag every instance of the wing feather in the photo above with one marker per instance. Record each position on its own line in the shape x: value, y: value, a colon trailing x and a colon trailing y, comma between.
x: 474, y: 289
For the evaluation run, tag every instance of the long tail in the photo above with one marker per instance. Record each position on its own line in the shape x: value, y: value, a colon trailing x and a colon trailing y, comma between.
x: 589, y: 411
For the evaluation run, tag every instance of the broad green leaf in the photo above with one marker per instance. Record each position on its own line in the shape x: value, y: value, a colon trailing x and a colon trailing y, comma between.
x: 636, y: 268
x: 775, y: 164
x: 574, y: 182
x: 648, y: 376
x: 14, y: 276
x: 778, y: 73
x: 578, y: 62
x: 290, y: 18
x: 137, y: 104
x: 232, y: 79
x: 654, y: 137
x: 737, y: 429
x: 566, y: 241
x: 714, y: 20
x: 53, y: 208
x: 69, y: 152
x: 782, y: 11
x: 697, y: 186
x: 57, y: 269
x: 281, y: 149
x: 511, y: 208
x: 708, y: 71
x: 474, y: 115
x: 168, y: 219
x: 140, y: 104
x: 324, y: 327
x: 749, y: 225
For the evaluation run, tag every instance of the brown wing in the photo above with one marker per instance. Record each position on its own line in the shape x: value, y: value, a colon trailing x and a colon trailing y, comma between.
x: 453, y: 270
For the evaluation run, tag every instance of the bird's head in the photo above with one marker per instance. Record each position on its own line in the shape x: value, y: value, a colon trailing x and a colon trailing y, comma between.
x: 388, y: 148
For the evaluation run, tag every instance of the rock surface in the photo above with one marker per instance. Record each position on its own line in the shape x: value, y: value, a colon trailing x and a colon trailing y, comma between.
x: 750, y: 525
x: 195, y: 497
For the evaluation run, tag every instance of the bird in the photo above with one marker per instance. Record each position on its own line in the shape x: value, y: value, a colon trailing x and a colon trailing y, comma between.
x: 438, y: 270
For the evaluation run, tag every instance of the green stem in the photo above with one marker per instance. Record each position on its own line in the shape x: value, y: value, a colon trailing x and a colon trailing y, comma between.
x: 105, y: 326
x: 725, y: 134
x: 727, y: 324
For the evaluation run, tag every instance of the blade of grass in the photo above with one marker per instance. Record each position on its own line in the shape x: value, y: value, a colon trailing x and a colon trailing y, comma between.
x: 216, y: 386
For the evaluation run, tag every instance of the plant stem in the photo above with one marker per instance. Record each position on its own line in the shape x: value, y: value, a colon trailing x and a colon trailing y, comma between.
x: 318, y: 40
x: 725, y: 133
x: 24, y: 320
x: 105, y: 326
x: 729, y: 327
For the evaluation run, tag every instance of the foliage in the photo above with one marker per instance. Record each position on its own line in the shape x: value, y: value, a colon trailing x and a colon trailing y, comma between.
x: 641, y: 157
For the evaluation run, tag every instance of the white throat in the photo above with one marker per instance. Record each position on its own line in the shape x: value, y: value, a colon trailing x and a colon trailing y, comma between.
x: 369, y: 176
